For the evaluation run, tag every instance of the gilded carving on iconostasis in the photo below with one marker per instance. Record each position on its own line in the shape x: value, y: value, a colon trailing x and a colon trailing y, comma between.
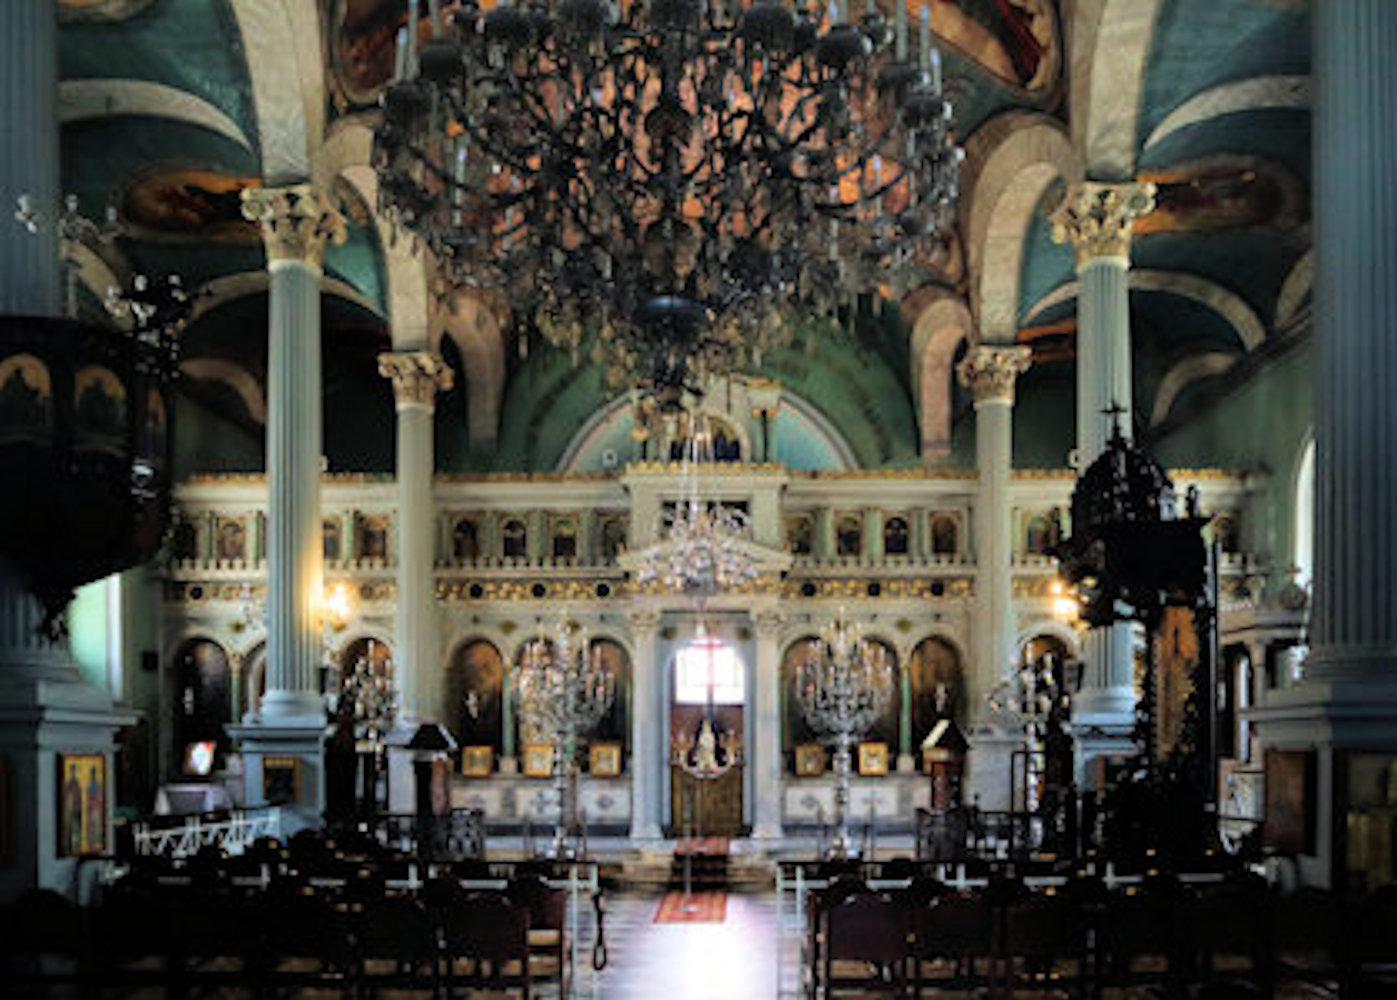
x: 188, y: 205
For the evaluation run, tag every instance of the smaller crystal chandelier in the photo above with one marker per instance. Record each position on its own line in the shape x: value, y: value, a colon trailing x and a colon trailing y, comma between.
x: 703, y: 550
x: 845, y: 687
x: 566, y: 688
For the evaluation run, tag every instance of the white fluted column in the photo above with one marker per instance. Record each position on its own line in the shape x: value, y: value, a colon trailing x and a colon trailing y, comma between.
x: 766, y: 727
x: 296, y: 223
x: 1348, y: 697
x: 649, y: 753
x: 990, y: 371
x: 417, y: 376
x: 1354, y: 628
x: 1097, y: 219
x: 30, y: 275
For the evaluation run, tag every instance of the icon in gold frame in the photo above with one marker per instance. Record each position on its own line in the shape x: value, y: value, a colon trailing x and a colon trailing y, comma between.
x: 477, y: 761
x: 873, y: 758
x: 811, y: 760
x: 538, y: 760
x: 604, y: 759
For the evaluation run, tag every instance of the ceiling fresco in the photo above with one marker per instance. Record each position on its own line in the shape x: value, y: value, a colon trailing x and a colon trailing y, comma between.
x: 1222, y: 128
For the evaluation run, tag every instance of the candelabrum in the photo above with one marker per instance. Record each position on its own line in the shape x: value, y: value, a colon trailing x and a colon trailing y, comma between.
x: 369, y: 699
x: 845, y: 686
x: 566, y: 689
x: 703, y: 549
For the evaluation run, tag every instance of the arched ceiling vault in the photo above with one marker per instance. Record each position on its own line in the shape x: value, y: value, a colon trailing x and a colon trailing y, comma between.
x: 1009, y: 164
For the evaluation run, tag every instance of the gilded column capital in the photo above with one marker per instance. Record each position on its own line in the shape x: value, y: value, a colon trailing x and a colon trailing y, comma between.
x: 416, y: 375
x: 1096, y: 218
x: 296, y: 222
x: 989, y: 371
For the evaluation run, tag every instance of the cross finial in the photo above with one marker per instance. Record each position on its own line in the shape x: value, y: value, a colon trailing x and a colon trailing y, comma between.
x: 1115, y: 411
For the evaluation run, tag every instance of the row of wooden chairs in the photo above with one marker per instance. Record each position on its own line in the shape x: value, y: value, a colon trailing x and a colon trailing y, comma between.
x: 1078, y: 939
x: 292, y: 935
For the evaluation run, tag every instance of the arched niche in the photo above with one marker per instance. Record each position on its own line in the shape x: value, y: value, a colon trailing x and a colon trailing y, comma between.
x: 937, y: 679
x: 614, y: 726
x: 796, y: 729
x: 202, y: 702
x: 475, y: 680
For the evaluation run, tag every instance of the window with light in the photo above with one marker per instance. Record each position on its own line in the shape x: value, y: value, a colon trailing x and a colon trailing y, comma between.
x: 706, y: 666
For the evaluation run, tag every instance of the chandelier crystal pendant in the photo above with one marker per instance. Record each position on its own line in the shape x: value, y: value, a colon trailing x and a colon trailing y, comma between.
x: 668, y: 175
x: 845, y: 687
x: 704, y: 548
x: 566, y: 689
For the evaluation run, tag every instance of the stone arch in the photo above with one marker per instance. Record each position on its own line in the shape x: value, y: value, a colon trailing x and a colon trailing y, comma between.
x: 281, y: 43
x: 1220, y: 299
x: 1298, y: 285
x: 408, y: 273
x: 79, y: 100
x: 1258, y: 93
x: 1110, y: 41
x: 937, y: 333
x: 220, y: 291
x: 235, y: 377
x: 1010, y: 162
x: 1182, y: 375
x: 475, y: 329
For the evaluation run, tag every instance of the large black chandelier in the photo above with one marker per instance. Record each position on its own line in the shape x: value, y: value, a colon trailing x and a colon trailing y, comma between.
x: 660, y: 179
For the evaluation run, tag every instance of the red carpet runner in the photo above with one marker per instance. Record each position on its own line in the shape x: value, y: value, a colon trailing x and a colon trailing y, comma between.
x: 702, y: 907
x: 707, y: 902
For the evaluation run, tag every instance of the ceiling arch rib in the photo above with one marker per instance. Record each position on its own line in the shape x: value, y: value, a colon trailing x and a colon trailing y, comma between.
x: 1010, y: 162
x: 1227, y: 304
x: 936, y: 334
x: 235, y: 377
x: 1184, y: 374
x: 281, y: 42
x: 219, y: 292
x: 1258, y: 93
x: 83, y: 100
x: 1111, y: 42
x: 1298, y: 284
x: 472, y: 326
x: 409, y: 300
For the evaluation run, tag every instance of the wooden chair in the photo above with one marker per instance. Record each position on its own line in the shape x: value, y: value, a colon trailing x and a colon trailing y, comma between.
x: 397, y: 947
x: 1045, y: 945
x: 485, y: 944
x: 548, y: 940
x: 864, y: 943
x: 953, y: 943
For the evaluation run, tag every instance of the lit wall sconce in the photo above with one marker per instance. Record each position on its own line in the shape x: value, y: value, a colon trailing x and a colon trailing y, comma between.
x: 336, y: 607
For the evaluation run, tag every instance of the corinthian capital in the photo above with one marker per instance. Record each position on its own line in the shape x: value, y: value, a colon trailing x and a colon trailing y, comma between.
x: 1096, y: 218
x: 989, y: 371
x: 296, y: 222
x: 416, y: 375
